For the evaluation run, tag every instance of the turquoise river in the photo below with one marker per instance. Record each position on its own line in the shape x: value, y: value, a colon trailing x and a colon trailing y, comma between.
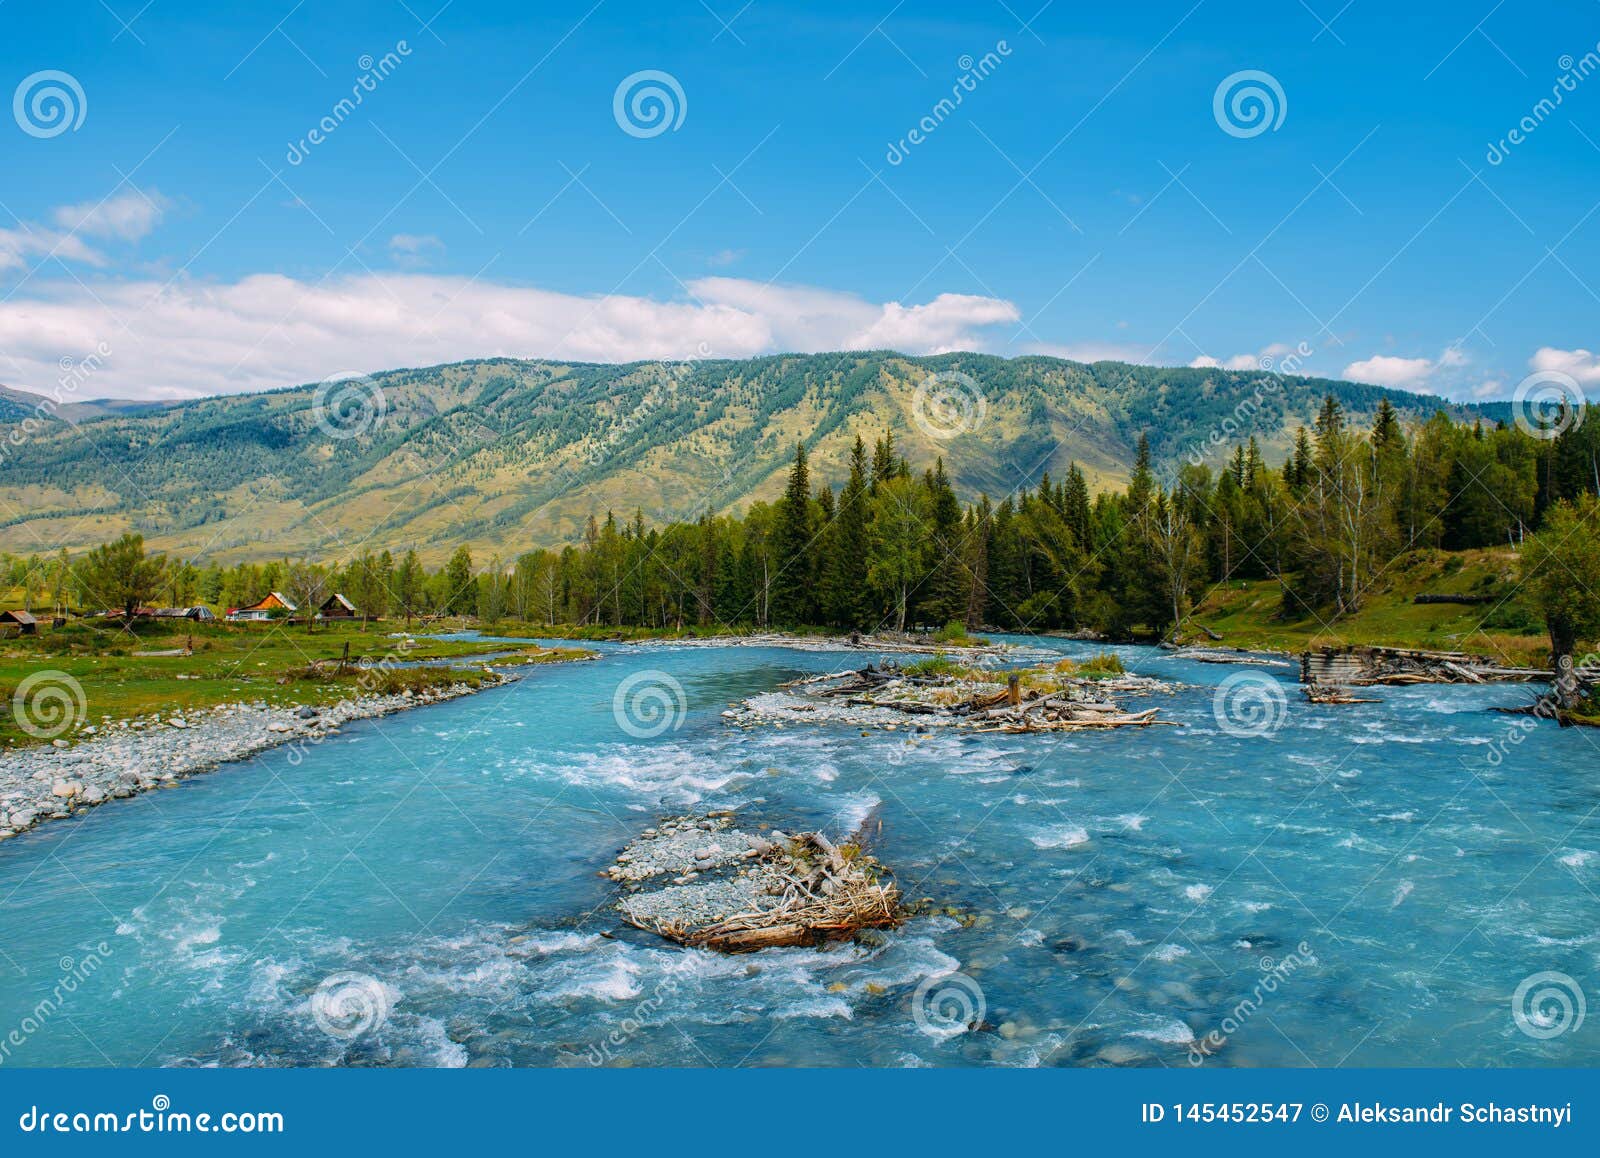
x: 1363, y: 885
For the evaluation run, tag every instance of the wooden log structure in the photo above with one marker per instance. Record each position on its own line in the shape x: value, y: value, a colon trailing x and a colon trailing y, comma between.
x: 1361, y: 666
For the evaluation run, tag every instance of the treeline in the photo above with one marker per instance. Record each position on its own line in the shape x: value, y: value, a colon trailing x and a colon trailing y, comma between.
x: 893, y: 546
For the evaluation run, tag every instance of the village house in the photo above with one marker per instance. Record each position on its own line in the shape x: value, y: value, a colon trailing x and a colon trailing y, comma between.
x: 18, y: 623
x: 272, y: 607
x: 199, y: 613
x: 337, y: 607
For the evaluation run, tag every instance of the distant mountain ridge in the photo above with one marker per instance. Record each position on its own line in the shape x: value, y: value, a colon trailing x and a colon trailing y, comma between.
x: 506, y: 454
x: 16, y: 405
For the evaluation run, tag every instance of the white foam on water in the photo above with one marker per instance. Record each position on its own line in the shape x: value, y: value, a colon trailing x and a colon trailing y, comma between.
x: 1170, y: 1031
x: 1060, y: 836
x: 546, y: 943
x: 1401, y: 892
x: 831, y: 1006
x: 667, y: 773
x: 1169, y: 953
x: 1577, y: 858
x: 437, y: 1047
x: 617, y: 981
x: 850, y: 811
x: 1198, y: 893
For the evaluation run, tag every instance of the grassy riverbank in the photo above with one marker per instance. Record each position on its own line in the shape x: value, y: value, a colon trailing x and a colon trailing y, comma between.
x: 1245, y: 613
x: 149, y: 667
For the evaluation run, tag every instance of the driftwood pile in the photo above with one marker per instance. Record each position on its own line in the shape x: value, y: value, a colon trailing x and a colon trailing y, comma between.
x: 994, y: 701
x: 801, y: 890
x: 1363, y: 666
x: 1230, y: 655
x: 1333, y: 694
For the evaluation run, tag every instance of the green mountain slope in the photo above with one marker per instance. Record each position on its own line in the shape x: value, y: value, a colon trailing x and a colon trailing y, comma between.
x: 504, y: 454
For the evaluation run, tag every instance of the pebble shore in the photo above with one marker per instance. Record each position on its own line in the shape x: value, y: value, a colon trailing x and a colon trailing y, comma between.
x: 713, y: 868
x: 116, y: 761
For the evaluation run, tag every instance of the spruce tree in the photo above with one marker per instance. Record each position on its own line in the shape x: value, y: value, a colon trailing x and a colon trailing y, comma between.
x: 792, y: 586
x: 846, y: 600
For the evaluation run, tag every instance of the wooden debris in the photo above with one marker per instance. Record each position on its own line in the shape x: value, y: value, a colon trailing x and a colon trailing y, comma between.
x: 1333, y: 694
x: 1042, y: 699
x: 1363, y: 666
x: 802, y: 890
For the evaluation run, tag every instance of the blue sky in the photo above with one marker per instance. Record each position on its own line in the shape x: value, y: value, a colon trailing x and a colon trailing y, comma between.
x: 1082, y: 199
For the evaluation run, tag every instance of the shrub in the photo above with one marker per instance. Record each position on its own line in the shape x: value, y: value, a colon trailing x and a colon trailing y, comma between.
x: 1106, y: 663
x: 938, y: 665
x: 955, y: 632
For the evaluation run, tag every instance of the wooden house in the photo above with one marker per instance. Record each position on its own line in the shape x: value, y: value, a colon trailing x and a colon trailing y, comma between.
x: 18, y: 623
x: 272, y: 607
x: 337, y: 607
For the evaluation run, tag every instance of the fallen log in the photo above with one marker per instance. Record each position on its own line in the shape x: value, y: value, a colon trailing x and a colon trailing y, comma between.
x: 1325, y: 694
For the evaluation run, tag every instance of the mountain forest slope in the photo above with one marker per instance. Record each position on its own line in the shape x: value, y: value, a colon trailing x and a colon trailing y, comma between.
x: 503, y: 454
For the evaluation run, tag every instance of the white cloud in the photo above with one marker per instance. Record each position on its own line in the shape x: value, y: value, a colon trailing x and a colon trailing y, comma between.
x: 187, y: 338
x: 18, y: 246
x: 1581, y: 364
x: 1384, y: 370
x: 411, y: 250
x: 1237, y: 362
x: 123, y: 216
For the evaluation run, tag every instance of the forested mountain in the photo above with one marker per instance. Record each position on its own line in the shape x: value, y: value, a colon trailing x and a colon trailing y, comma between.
x: 502, y: 455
